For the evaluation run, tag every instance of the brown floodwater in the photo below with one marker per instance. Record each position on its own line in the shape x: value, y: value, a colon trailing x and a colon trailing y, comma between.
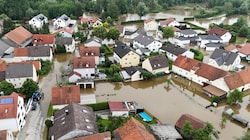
x: 169, y: 103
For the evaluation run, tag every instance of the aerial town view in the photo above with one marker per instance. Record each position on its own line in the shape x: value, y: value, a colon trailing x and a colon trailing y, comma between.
x: 125, y: 70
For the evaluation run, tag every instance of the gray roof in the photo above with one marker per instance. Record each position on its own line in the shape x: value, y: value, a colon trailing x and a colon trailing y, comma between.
x: 131, y: 70
x: 64, y: 17
x: 39, y: 51
x: 214, y: 45
x: 94, y: 38
x: 40, y: 17
x: 158, y: 62
x: 63, y: 40
x: 78, y: 118
x: 2, y: 76
x: 145, y: 50
x: 144, y: 39
x: 188, y: 32
x: 121, y: 49
x: 195, y: 38
x: 3, y: 47
x: 175, y: 50
x: 164, y: 132
x: 223, y: 57
x: 209, y: 37
x: 19, y: 70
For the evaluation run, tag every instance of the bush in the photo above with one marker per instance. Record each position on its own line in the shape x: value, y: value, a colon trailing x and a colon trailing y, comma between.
x: 46, y: 67
x: 48, y: 123
x: 99, y: 106
x: 198, y: 55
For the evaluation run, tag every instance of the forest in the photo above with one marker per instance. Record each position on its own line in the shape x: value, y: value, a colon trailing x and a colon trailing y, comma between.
x: 25, y: 9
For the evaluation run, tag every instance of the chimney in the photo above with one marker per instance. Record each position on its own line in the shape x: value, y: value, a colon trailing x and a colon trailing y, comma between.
x: 66, y: 112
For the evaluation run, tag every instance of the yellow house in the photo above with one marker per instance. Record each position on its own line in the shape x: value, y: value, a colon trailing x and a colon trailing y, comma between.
x: 156, y: 64
x: 124, y: 56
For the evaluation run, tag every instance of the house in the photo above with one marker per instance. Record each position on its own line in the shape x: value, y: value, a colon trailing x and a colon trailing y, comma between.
x: 43, y: 39
x: 150, y: 25
x: 143, y: 51
x: 164, y: 132
x: 73, y: 121
x: 185, y: 37
x: 213, y: 46
x: 12, y: 112
x: 148, y: 42
x: 124, y: 56
x: 64, y: 31
x: 195, y: 122
x: 132, y: 74
x: 90, y: 51
x: 85, y: 66
x: 205, y: 39
x: 31, y: 53
x: 5, y: 49
x: 36, y: 63
x: 156, y: 64
x: 19, y: 37
x: 130, y: 32
x: 64, y: 95
x: 197, y: 71
x: 118, y: 109
x: 6, y: 135
x: 95, y: 22
x: 133, y: 129
x: 98, y: 136
x: 244, y: 51
x: 172, y: 51
x: 38, y: 21
x: 170, y: 22
x: 61, y: 21
x: 225, y: 60
x: 225, y: 35
x: 93, y: 41
x: 68, y: 42
x: 17, y: 74
x: 233, y: 48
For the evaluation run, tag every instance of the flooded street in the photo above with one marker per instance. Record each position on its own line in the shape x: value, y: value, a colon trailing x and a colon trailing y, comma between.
x: 168, y: 104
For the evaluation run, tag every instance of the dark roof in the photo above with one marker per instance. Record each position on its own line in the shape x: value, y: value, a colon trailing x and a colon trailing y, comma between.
x: 63, y: 40
x: 214, y: 45
x: 98, y: 136
x: 64, y: 17
x: 165, y: 131
x: 38, y: 51
x: 144, y: 39
x: 121, y: 49
x: 2, y: 76
x: 195, y: 122
x: 188, y: 32
x: 175, y: 50
x: 210, y: 37
x: 158, y: 62
x: 73, y: 117
x: 3, y: 47
x: 131, y: 70
x: 40, y: 17
x: 223, y: 57
x: 19, y: 70
x: 188, y: 38
x: 94, y: 38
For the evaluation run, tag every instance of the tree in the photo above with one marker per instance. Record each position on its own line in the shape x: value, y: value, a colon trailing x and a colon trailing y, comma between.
x: 6, y: 87
x: 100, y: 32
x: 112, y: 10
x: 113, y: 33
x: 141, y: 9
x: 29, y: 87
x: 114, y: 69
x: 235, y: 96
x: 60, y: 49
x: 168, y: 32
x: 116, y: 78
x: 244, y: 31
x: 246, y: 136
x: 147, y: 75
x: 187, y: 129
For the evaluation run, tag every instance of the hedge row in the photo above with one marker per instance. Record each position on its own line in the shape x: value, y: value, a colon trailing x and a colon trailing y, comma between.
x: 99, y: 106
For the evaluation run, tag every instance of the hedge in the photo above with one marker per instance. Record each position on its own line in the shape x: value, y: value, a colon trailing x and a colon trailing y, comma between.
x: 99, y: 106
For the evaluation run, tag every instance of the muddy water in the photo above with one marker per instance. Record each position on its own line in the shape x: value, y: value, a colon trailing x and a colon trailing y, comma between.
x: 169, y: 103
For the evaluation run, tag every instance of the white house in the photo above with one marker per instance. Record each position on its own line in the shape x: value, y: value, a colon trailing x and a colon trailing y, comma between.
x: 205, y: 39
x: 144, y: 41
x: 225, y: 60
x: 17, y: 74
x: 156, y: 64
x: 244, y: 51
x: 62, y: 21
x: 170, y: 22
x: 150, y: 25
x: 12, y: 112
x: 225, y: 35
x: 68, y: 42
x: 185, y: 37
x: 64, y: 32
x: 172, y: 51
x: 93, y: 41
x: 118, y: 109
x: 38, y: 21
x: 131, y: 74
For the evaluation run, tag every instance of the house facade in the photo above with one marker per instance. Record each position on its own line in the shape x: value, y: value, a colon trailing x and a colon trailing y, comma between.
x: 172, y: 51
x: 169, y: 22
x: 157, y: 64
x: 67, y: 42
x: 61, y: 21
x: 38, y: 21
x: 185, y: 37
x: 12, y: 113
x: 93, y: 41
x: 244, y: 51
x: 205, y: 39
x: 85, y: 66
x: 150, y: 25
x: 118, y: 109
x: 131, y: 74
x: 146, y: 42
x: 225, y: 35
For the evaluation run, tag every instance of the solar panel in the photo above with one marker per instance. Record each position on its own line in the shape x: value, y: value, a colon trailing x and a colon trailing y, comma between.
x: 6, y: 101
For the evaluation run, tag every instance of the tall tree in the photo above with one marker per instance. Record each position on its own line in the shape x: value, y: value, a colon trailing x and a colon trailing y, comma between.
x: 6, y: 87
x: 99, y: 32
x: 112, y: 10
x: 168, y: 32
x: 29, y: 87
x: 235, y: 96
x: 141, y: 9
x: 113, y: 33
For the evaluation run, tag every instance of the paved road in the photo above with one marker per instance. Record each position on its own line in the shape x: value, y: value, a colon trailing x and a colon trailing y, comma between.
x: 33, y: 129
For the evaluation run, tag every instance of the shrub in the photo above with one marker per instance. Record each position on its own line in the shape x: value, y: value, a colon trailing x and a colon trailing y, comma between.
x: 99, y: 106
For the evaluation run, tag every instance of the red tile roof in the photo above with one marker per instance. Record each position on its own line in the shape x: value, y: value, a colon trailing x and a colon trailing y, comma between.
x: 18, y: 52
x: 2, y: 65
x: 89, y: 51
x: 42, y: 39
x: 201, y: 69
x: 65, y: 94
x: 245, y: 49
x: 217, y: 30
x: 69, y: 30
x: 84, y: 62
x: 94, y: 19
x: 98, y: 136
x: 148, y: 20
x: 9, y: 110
x: 19, y: 35
x: 167, y: 21
x: 3, y: 134
x: 117, y: 106
x: 195, y: 122
x: 239, y: 79
x: 133, y: 130
x: 84, y: 20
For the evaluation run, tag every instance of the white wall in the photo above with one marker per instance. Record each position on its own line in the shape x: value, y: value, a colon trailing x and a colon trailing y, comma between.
x: 93, y: 43
x: 9, y: 124
x: 120, y: 113
x: 226, y: 37
x: 85, y: 72
x: 136, y: 76
x: 74, y: 78
x: 154, y: 46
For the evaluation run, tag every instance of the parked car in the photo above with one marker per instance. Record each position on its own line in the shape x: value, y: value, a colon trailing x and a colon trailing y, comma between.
x: 33, y: 105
